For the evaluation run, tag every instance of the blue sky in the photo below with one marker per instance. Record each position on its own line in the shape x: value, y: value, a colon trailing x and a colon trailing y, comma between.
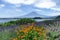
x: 16, y: 8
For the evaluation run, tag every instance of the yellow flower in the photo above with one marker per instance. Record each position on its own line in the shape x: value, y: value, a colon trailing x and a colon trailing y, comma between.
x: 15, y: 39
x: 40, y: 33
x: 26, y: 30
x: 21, y: 30
x: 44, y: 36
x: 21, y: 37
x: 39, y: 30
x: 44, y: 39
x: 34, y: 28
x: 17, y: 33
x: 46, y: 30
x: 35, y: 38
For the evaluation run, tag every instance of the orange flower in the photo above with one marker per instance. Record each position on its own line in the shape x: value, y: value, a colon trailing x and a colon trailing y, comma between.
x: 35, y: 38
x: 44, y: 39
x: 15, y: 39
x: 34, y: 28
x: 21, y: 37
x: 46, y: 30
x: 38, y: 30
x: 26, y: 30
x: 40, y: 33
x: 21, y: 30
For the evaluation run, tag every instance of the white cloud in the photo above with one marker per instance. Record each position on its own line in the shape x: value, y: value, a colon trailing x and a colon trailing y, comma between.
x: 20, y: 1
x: 38, y: 10
x: 18, y: 10
x: 14, y: 1
x: 57, y: 9
x: 37, y: 3
x: 16, y: 6
x: 2, y: 5
x: 53, y: 14
x: 45, y: 4
x: 29, y: 1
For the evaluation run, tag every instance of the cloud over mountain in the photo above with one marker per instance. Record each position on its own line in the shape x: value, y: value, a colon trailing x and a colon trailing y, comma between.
x: 36, y: 3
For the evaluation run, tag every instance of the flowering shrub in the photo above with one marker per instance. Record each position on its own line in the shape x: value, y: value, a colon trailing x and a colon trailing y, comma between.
x: 29, y: 33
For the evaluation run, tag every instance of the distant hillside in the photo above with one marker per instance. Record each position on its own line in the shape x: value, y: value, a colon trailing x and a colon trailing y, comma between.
x: 33, y: 15
x: 58, y: 17
x: 37, y: 18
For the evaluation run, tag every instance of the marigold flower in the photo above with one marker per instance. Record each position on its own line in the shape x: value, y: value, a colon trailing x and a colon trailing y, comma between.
x: 30, y: 30
x: 35, y: 38
x: 46, y: 30
x: 15, y: 39
x: 21, y: 30
x: 21, y: 37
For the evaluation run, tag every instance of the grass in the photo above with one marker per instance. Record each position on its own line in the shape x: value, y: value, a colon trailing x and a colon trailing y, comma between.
x: 54, y: 33
x: 5, y: 35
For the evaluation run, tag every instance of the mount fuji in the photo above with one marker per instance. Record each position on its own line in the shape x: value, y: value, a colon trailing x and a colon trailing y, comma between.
x: 33, y: 15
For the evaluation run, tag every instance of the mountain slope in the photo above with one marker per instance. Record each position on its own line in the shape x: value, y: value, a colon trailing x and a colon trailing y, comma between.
x: 32, y: 15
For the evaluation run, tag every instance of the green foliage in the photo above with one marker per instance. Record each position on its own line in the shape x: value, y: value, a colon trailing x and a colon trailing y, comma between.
x: 49, y: 22
x: 57, y: 18
x: 54, y: 32
x: 20, y: 21
x: 25, y: 20
x: 5, y: 34
x: 52, y: 35
x: 7, y: 23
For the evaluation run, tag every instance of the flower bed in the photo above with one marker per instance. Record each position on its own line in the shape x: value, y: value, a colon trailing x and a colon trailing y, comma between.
x: 29, y: 33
